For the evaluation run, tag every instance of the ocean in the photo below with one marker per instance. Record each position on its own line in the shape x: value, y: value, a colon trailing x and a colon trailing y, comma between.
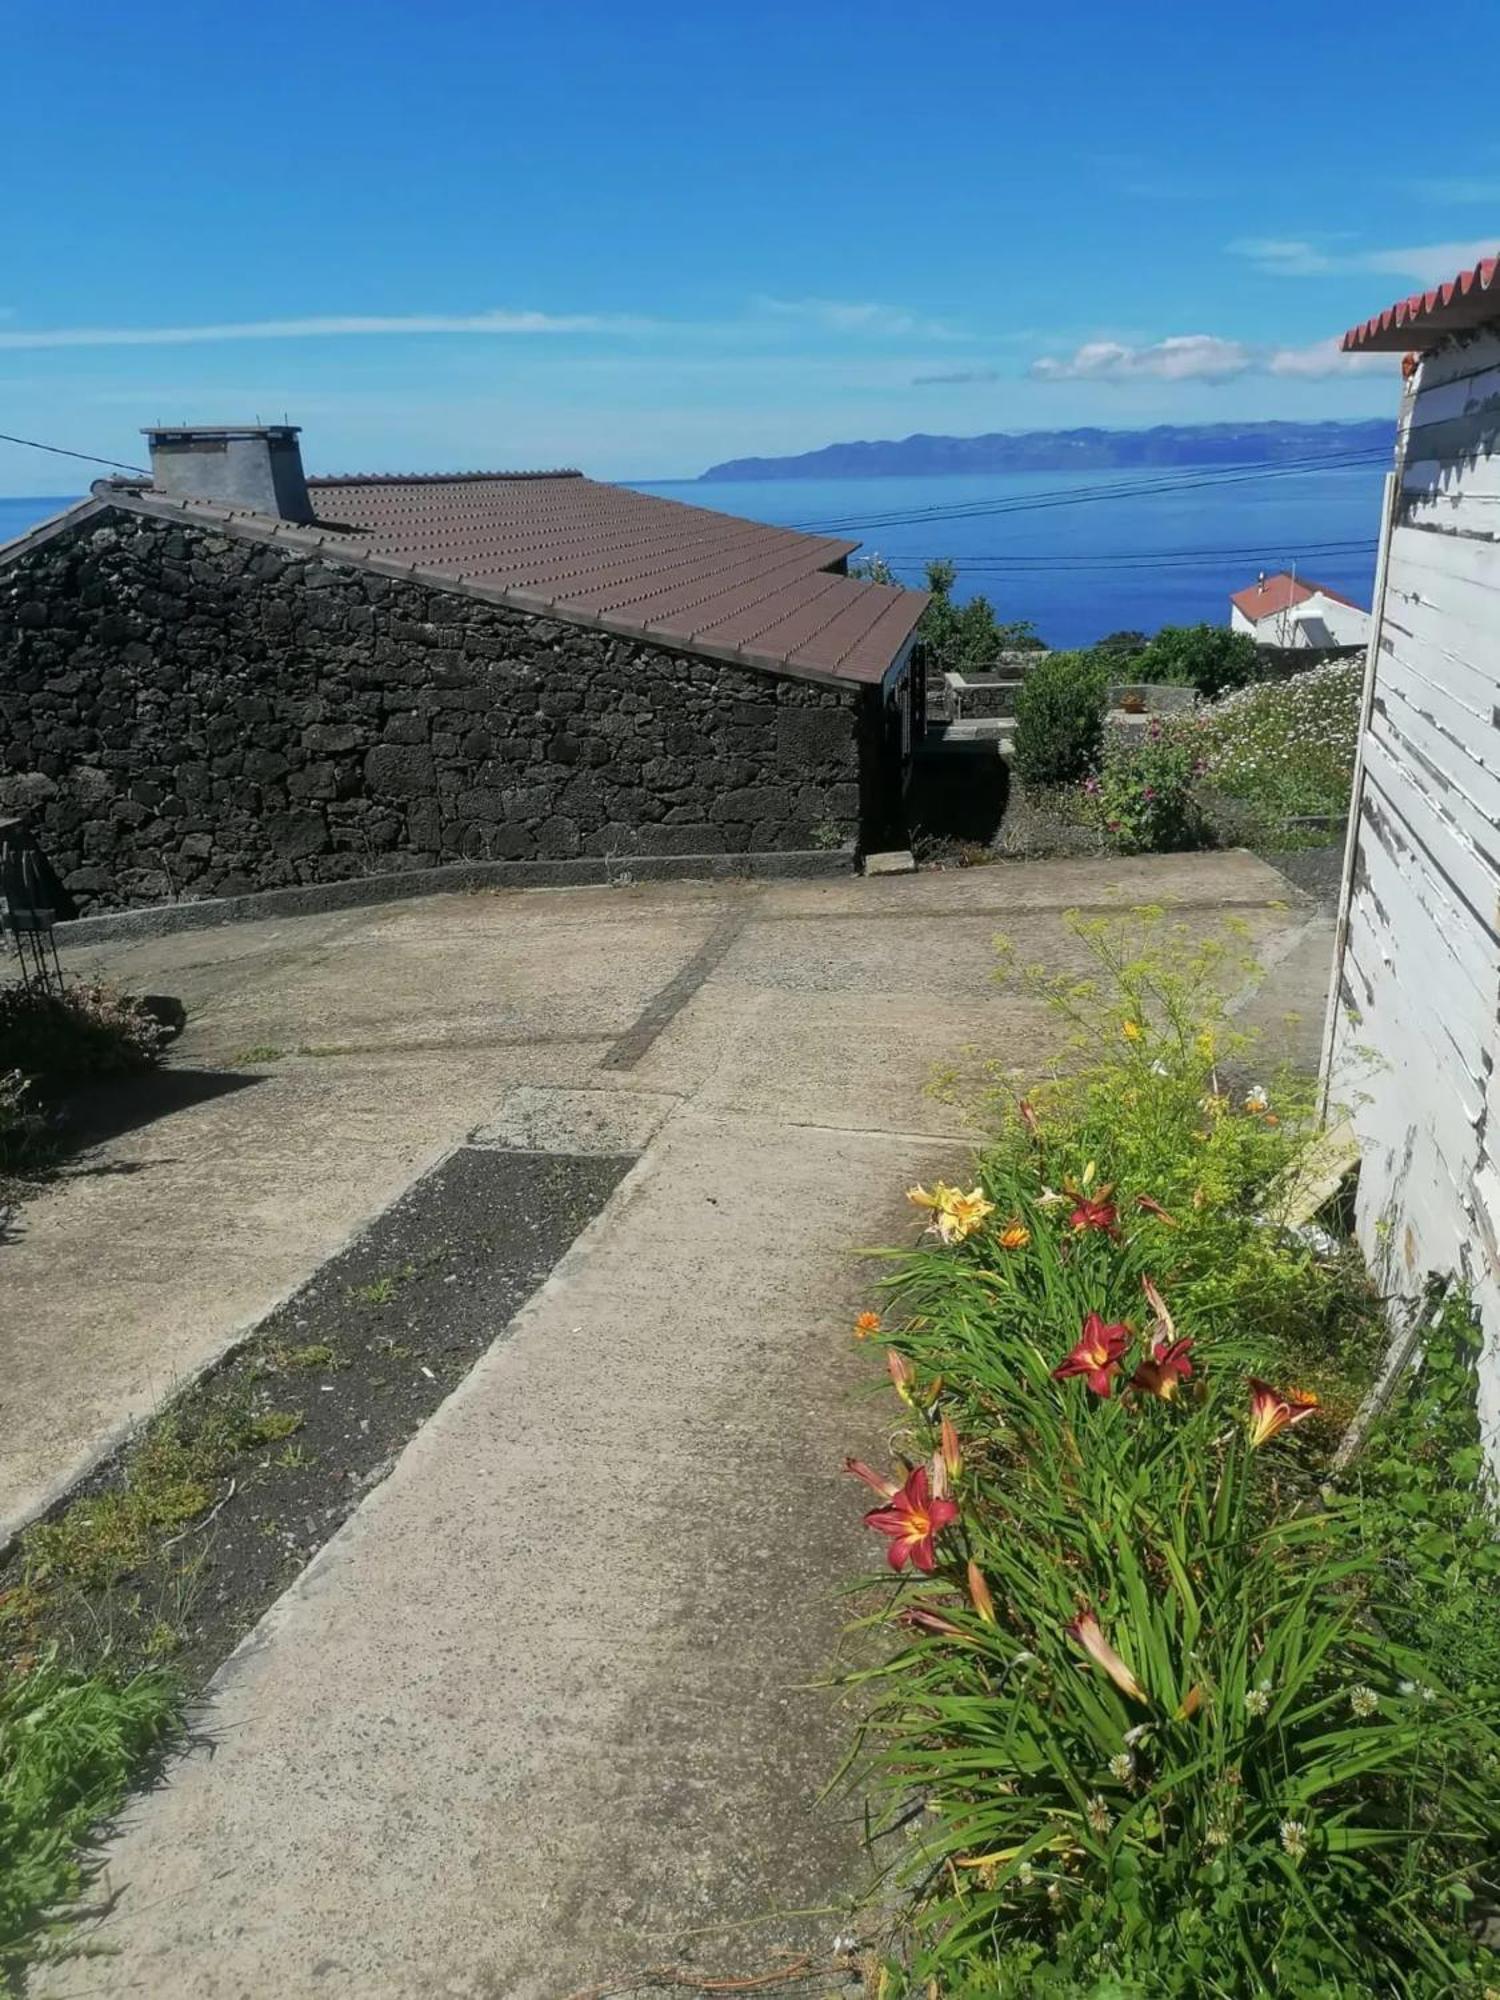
x: 1079, y: 554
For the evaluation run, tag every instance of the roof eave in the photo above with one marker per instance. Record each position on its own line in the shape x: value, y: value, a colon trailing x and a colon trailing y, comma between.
x: 1468, y: 301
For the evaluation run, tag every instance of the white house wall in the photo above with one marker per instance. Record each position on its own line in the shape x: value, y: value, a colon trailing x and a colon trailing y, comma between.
x: 1415, y: 1023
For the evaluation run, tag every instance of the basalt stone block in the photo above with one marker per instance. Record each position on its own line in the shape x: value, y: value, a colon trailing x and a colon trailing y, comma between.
x: 296, y: 834
x: 399, y: 771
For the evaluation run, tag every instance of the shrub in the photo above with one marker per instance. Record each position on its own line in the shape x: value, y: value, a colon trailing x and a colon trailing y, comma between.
x: 1144, y: 793
x: 85, y: 1030
x: 1209, y: 658
x: 1285, y: 748
x: 1060, y: 711
x: 1172, y: 1735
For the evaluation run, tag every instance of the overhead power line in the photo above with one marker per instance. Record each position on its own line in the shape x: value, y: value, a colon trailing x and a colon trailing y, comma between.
x: 61, y: 451
x: 1186, y: 481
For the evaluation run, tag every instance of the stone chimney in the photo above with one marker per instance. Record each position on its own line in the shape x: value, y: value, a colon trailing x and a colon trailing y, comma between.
x: 258, y: 466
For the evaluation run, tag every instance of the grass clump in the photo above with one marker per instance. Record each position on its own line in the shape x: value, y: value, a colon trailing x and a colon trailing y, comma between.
x: 71, y: 1744
x: 172, y: 1477
x: 1186, y: 1718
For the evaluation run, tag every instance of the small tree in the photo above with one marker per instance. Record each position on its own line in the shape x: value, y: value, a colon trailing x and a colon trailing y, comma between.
x: 1060, y: 719
x: 1210, y: 658
x: 961, y: 637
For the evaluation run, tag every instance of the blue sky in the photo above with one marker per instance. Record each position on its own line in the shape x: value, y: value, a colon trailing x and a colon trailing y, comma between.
x: 641, y: 238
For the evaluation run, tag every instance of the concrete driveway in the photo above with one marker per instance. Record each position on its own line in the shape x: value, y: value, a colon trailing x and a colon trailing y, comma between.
x: 540, y: 1713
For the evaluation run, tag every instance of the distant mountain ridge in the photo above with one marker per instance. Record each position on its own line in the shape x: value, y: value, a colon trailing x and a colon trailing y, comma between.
x: 1086, y: 450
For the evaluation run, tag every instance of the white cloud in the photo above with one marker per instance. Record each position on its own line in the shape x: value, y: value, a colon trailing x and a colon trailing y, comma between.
x: 1200, y: 357
x: 1323, y: 358
x: 1427, y: 263
x: 1185, y: 357
x: 856, y: 316
x: 336, y: 325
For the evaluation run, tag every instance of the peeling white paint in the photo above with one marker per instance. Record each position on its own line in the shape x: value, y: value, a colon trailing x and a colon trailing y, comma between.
x: 1413, y: 1036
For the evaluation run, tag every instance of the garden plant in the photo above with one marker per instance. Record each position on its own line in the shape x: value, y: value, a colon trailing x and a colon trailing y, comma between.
x: 1170, y: 1711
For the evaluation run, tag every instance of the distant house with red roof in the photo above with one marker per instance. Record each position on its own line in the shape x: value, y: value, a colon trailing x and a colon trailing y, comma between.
x: 1285, y: 610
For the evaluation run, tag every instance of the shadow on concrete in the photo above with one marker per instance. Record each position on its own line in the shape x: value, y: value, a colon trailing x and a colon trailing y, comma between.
x: 107, y: 1109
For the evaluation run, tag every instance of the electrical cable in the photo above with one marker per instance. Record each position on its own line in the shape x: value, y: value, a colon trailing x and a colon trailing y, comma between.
x: 62, y: 452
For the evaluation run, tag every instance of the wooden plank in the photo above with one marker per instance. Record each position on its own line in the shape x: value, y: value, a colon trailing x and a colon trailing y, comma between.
x: 1443, y: 832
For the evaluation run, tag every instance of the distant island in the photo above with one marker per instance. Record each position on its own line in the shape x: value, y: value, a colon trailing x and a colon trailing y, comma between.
x: 1067, y: 451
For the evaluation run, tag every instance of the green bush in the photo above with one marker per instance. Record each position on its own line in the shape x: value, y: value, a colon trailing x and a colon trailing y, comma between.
x: 1210, y: 658
x: 1179, y: 1725
x: 1144, y: 793
x: 86, y: 1030
x: 1060, y: 711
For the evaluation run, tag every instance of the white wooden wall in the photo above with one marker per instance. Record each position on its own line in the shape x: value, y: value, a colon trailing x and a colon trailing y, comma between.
x: 1413, y: 1024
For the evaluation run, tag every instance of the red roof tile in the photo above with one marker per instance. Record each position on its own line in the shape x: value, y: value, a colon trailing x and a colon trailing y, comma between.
x: 1471, y: 299
x: 1280, y: 592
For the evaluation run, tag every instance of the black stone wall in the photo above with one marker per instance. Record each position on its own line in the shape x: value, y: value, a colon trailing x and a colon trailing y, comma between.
x: 189, y: 714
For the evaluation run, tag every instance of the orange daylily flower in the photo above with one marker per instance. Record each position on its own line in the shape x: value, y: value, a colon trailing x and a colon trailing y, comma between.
x: 914, y: 1516
x: 1271, y: 1412
x: 1153, y: 1207
x: 1014, y: 1236
x: 1086, y: 1629
x: 866, y: 1324
x: 1029, y: 1118
x: 1096, y: 1354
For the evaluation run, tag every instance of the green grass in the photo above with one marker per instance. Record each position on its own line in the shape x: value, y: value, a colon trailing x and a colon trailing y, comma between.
x: 71, y: 1744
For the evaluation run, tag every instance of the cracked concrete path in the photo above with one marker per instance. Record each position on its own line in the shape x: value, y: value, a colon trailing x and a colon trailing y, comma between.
x: 544, y: 1711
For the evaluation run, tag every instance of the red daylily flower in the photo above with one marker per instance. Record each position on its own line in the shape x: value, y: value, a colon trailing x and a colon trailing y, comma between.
x: 1086, y: 1629
x: 1166, y: 1366
x: 1097, y: 1354
x: 1093, y: 1211
x: 1271, y: 1412
x: 915, y: 1515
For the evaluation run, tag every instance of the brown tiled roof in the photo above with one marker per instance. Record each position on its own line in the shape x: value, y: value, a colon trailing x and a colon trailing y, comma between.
x: 558, y: 544
x: 634, y: 564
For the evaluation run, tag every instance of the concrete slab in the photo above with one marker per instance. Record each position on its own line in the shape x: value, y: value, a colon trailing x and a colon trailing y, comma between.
x: 540, y: 1713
